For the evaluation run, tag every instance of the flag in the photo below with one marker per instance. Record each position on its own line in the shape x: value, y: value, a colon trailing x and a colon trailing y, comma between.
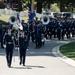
x: 18, y: 23
x: 32, y: 15
x: 17, y: 19
x: 29, y: 10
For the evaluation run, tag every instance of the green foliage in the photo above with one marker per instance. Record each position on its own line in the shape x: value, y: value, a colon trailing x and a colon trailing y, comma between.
x: 55, y: 8
x: 25, y: 1
x: 68, y: 50
x: 2, y: 5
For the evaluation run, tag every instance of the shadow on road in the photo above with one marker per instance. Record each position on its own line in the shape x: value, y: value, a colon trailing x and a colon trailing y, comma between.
x: 28, y: 67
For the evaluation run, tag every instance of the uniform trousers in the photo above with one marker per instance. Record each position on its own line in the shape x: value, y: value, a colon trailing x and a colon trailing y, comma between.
x: 9, y: 53
x: 22, y: 54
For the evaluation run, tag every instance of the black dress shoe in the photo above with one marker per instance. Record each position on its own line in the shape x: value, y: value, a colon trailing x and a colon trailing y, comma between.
x: 9, y: 65
x: 20, y: 62
x: 23, y: 64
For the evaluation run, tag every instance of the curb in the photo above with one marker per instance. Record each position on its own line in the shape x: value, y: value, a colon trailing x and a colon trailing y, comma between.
x: 58, y: 54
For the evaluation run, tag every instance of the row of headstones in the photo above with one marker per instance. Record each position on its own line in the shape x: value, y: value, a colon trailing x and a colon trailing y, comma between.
x: 11, y: 12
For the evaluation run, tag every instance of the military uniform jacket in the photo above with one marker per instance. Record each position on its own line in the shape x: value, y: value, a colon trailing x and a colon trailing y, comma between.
x: 37, y: 32
x: 8, y: 39
x: 23, y: 42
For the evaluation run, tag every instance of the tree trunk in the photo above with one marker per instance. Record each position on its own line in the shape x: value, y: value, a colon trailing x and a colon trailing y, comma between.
x: 19, y: 5
x: 32, y: 6
x: 3, y: 1
x: 49, y: 5
x: 62, y: 7
x: 39, y: 6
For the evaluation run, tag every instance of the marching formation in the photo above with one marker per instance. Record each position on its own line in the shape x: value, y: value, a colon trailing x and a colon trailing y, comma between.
x: 36, y: 32
x: 56, y: 28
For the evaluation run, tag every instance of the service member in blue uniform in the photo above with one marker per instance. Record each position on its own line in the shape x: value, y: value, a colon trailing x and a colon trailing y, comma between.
x: 8, y: 39
x: 22, y: 47
x: 0, y: 35
x: 3, y: 30
x: 37, y: 34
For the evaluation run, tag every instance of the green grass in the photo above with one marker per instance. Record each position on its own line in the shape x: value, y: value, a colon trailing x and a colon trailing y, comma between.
x: 68, y: 50
x: 5, y: 18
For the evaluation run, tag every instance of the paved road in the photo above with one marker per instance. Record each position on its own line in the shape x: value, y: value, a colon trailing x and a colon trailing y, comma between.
x: 38, y: 62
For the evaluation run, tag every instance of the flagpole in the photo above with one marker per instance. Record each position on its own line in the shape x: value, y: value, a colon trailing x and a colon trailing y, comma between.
x: 18, y: 18
x: 18, y: 44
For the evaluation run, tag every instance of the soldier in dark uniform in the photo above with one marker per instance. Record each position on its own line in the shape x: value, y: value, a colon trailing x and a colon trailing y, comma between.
x: 58, y: 33
x: 73, y: 30
x: 0, y: 35
x: 9, y: 41
x: 49, y: 29
x: 26, y: 31
x: 37, y: 36
x: 3, y: 30
x: 62, y: 33
x: 22, y: 47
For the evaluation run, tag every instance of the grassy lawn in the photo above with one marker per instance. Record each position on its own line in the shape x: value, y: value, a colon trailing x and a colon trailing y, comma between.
x: 68, y: 50
x: 6, y: 18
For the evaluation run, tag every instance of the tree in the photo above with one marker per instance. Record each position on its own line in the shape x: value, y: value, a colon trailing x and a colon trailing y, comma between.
x: 66, y: 5
x: 19, y: 5
x: 39, y: 6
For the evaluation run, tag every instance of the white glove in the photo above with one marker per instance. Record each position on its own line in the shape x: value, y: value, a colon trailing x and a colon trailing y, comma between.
x: 27, y: 49
x: 43, y: 40
x: 4, y: 46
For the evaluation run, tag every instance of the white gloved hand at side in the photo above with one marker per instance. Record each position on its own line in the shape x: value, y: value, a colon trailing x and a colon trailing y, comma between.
x: 4, y: 46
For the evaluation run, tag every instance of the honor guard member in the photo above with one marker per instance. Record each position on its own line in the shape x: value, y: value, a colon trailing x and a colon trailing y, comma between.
x: 26, y: 31
x: 3, y: 31
x: 59, y: 33
x: 73, y: 31
x: 37, y: 37
x: 22, y: 47
x: 8, y: 40
x: 49, y: 30
x: 0, y: 35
